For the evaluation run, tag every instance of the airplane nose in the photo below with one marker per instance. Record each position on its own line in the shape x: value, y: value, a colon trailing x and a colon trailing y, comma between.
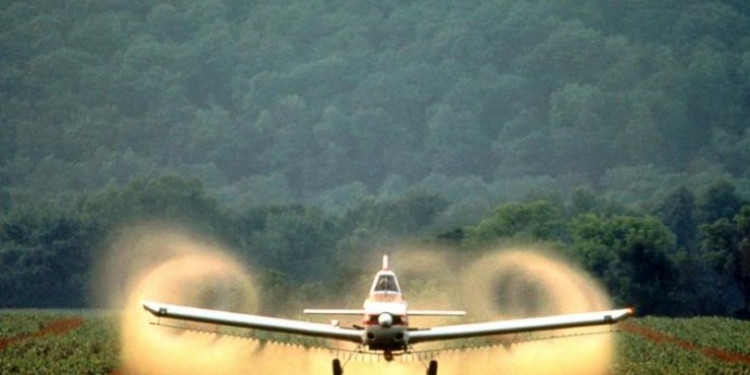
x: 385, y: 320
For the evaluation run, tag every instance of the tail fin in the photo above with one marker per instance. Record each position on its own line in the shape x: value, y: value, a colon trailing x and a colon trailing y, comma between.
x: 385, y: 262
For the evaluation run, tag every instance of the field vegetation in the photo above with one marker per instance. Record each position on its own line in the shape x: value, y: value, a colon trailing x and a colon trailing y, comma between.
x: 732, y: 336
x: 645, y: 346
x: 683, y: 346
x: 41, y: 342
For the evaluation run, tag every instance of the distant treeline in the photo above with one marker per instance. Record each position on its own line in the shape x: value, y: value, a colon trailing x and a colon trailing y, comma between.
x: 321, y: 101
x: 689, y: 254
x: 302, y: 131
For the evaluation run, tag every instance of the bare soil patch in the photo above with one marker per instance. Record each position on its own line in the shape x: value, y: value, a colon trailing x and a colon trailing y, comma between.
x: 57, y: 327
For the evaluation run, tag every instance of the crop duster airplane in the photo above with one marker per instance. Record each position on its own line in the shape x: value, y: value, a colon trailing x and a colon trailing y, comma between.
x: 385, y: 324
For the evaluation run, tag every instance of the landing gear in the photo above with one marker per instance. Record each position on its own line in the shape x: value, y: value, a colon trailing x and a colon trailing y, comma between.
x: 432, y: 368
x: 337, y: 370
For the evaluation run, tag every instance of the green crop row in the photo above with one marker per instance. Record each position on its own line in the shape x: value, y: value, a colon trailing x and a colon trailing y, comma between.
x: 704, y: 345
x: 708, y: 332
x: 22, y: 322
x: 637, y: 355
x: 93, y: 348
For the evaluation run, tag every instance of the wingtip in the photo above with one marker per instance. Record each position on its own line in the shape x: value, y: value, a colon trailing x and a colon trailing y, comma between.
x: 149, y: 306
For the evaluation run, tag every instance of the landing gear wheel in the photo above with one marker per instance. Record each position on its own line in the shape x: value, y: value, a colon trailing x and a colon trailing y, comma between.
x: 337, y: 370
x: 432, y: 369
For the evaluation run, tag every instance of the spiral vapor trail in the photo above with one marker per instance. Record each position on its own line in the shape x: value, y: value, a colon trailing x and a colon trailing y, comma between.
x: 525, y: 282
x: 167, y: 265
x: 171, y: 266
x: 507, y: 284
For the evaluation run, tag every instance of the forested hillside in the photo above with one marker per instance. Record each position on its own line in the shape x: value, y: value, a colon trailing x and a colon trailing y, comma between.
x: 317, y: 101
x: 301, y: 130
x: 688, y: 255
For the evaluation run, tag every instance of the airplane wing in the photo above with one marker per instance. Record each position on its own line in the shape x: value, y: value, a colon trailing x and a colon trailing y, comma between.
x: 450, y: 332
x: 518, y: 326
x: 163, y: 310
x: 333, y: 311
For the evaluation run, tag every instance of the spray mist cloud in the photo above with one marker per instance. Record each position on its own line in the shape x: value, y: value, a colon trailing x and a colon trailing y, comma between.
x: 171, y: 266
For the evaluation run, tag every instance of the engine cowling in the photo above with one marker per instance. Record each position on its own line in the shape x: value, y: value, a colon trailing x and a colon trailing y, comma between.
x: 385, y: 320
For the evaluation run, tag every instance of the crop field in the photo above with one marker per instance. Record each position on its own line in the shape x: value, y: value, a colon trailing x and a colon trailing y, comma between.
x: 70, y: 342
x: 683, y: 346
x: 86, y: 342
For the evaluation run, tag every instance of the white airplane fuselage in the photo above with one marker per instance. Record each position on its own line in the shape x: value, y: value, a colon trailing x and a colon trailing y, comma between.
x: 385, y: 320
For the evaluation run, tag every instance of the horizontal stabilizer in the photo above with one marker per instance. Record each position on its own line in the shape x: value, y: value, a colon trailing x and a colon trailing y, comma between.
x: 436, y: 313
x: 333, y: 311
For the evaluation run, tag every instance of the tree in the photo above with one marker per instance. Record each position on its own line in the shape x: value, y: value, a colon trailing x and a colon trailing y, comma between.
x: 211, y: 59
x: 630, y: 255
x: 397, y: 218
x: 168, y: 198
x: 166, y: 23
x: 677, y: 211
x: 742, y: 267
x: 571, y: 53
x: 712, y: 19
x: 583, y: 201
x: 730, y: 151
x: 101, y: 34
x: 725, y: 246
x: 719, y: 201
x: 45, y: 254
x: 522, y: 146
x: 296, y: 151
x: 455, y: 144
x: 710, y: 70
x: 295, y: 240
x: 202, y: 139
x: 373, y: 138
x: 536, y: 220
x: 578, y: 131
x: 523, y: 27
x: 333, y: 136
x: 652, y: 121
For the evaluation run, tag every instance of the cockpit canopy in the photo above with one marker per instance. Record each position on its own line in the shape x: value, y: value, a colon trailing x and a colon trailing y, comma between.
x: 385, y: 282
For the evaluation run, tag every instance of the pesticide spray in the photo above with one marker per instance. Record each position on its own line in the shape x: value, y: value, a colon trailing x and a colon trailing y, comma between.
x: 171, y: 266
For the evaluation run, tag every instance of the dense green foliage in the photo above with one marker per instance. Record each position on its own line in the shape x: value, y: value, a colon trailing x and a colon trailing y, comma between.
x: 47, y: 254
x: 272, y: 102
x: 303, y: 131
x: 678, y: 257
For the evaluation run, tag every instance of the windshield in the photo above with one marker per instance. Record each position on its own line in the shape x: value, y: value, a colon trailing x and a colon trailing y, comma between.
x: 386, y: 283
